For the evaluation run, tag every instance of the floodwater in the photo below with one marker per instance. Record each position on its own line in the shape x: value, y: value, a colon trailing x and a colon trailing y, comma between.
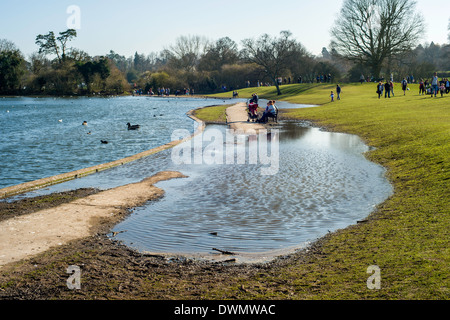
x: 321, y: 183
x: 301, y: 183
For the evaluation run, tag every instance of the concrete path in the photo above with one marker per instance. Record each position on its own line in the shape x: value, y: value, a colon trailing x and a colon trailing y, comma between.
x: 237, y: 119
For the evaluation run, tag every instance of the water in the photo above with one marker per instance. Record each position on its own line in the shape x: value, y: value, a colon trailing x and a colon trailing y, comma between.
x: 324, y: 183
x: 42, y: 137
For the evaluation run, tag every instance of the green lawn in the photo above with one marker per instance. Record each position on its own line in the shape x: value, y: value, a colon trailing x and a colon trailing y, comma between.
x: 407, y: 237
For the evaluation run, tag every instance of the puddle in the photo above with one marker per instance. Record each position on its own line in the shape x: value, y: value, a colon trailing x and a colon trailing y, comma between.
x: 323, y: 183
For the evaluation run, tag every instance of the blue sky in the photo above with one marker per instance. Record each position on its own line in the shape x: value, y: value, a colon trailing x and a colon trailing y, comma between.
x: 150, y: 26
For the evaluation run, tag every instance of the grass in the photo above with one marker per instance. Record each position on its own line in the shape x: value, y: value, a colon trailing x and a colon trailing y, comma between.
x: 214, y: 114
x: 408, y: 235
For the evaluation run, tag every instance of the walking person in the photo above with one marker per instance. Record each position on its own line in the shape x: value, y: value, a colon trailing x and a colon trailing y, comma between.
x: 338, y: 91
x: 387, y: 90
x: 421, y: 87
x: 434, y: 84
x: 392, y: 87
x: 380, y: 89
x: 404, y: 86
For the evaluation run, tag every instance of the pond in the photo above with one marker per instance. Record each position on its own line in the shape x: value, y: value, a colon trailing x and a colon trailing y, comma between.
x: 42, y: 137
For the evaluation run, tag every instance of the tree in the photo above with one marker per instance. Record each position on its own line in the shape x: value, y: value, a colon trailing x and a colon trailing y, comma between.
x: 186, y: 52
x: 12, y: 67
x: 371, y: 31
x: 272, y: 53
x: 223, y: 52
x: 90, y: 69
x: 49, y: 44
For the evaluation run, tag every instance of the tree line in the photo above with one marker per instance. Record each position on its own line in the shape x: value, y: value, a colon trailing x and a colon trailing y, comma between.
x: 376, y: 39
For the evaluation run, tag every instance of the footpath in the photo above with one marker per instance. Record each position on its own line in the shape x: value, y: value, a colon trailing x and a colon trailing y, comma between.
x: 237, y: 119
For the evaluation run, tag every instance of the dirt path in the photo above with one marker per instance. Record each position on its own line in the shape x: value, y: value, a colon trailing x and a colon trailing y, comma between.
x: 28, y: 235
x: 237, y: 119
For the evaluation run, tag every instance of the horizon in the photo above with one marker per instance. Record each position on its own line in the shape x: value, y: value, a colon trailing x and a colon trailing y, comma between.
x: 147, y: 27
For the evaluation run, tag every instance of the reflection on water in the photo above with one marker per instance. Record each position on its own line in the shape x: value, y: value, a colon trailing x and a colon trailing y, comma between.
x: 323, y: 183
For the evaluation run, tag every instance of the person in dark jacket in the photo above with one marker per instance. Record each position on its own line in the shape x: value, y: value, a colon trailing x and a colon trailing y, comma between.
x: 387, y: 89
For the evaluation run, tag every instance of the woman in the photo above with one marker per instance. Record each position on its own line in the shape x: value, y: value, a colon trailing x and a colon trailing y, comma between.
x: 380, y: 88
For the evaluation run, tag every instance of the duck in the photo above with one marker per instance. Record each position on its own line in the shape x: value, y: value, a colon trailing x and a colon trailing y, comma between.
x: 132, y: 127
x: 104, y: 142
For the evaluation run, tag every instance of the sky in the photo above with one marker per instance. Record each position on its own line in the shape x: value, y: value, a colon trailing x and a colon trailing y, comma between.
x: 149, y: 26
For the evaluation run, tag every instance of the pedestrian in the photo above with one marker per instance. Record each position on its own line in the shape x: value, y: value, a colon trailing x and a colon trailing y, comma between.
x: 387, y: 90
x: 338, y: 91
x: 434, y: 84
x: 332, y: 96
x: 447, y: 86
x: 404, y: 86
x: 442, y: 89
x: 380, y: 89
x: 421, y: 87
x: 391, y: 83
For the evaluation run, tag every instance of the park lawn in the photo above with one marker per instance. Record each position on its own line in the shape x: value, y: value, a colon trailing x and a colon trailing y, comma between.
x: 407, y: 236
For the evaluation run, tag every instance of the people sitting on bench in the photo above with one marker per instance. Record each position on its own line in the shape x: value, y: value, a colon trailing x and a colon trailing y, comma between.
x: 270, y: 112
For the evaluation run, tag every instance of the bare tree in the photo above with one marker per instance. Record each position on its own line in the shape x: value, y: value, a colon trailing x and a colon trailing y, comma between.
x: 186, y: 52
x: 274, y: 54
x: 371, y: 31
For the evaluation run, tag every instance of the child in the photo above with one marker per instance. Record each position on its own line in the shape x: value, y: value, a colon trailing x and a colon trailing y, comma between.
x: 442, y: 89
x: 332, y: 96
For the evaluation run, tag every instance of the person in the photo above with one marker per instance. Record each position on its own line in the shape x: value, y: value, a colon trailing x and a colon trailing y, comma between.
x: 254, y: 98
x: 421, y: 87
x: 434, y: 84
x: 447, y: 86
x: 392, y: 87
x: 271, y: 110
x: 387, y: 89
x: 380, y: 89
x: 442, y: 89
x: 338, y: 91
x: 332, y: 96
x: 361, y: 79
x: 404, y: 86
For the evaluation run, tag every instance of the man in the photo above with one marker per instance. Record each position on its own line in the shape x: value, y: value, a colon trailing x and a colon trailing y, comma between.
x: 387, y: 89
x: 434, y: 84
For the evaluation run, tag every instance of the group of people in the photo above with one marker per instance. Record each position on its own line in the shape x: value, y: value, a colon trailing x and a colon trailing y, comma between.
x: 271, y: 110
x: 432, y: 87
x: 388, y: 88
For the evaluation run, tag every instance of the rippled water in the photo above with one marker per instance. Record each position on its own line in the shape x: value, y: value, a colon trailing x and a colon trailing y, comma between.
x: 323, y: 183
x: 42, y: 137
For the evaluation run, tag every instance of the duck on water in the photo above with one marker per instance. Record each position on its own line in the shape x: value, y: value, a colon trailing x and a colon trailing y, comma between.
x: 133, y: 127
